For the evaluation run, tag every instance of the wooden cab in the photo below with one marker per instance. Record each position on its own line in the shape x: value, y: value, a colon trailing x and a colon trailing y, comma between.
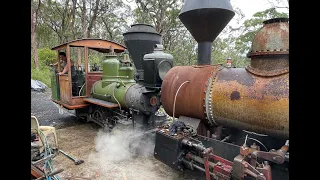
x: 69, y: 90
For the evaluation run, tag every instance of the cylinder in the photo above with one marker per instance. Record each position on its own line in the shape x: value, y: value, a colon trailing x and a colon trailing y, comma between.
x: 190, y: 99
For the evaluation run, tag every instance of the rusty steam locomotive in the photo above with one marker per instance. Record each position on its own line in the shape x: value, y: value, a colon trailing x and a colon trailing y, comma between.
x: 233, y: 123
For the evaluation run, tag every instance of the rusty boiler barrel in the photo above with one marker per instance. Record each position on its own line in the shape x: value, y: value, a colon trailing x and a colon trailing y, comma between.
x: 232, y: 97
x: 246, y: 101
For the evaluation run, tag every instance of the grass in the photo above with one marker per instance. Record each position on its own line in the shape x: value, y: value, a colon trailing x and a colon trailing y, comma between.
x: 43, y: 75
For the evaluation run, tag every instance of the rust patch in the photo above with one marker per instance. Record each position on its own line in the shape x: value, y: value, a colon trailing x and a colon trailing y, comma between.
x: 190, y: 100
x: 270, y: 50
x: 272, y: 37
x: 235, y: 95
x: 236, y: 74
x: 263, y: 106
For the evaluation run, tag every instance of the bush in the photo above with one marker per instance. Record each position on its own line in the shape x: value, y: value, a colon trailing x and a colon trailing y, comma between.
x: 45, y: 57
x: 43, y: 75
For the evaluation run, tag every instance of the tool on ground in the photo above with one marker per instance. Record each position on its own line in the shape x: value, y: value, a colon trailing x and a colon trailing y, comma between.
x: 76, y: 161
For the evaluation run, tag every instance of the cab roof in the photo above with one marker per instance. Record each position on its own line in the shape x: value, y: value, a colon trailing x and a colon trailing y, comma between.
x: 100, y: 45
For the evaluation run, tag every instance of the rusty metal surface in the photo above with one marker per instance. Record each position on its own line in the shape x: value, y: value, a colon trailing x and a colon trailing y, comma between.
x: 269, y: 67
x: 245, y: 101
x: 272, y: 37
x: 190, y: 100
x: 270, y: 49
x: 208, y: 104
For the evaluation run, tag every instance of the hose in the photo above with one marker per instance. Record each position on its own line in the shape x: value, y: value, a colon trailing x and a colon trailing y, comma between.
x: 175, y: 97
x: 47, y: 147
x: 115, y: 97
x: 249, y: 132
x: 245, y: 142
x: 122, y: 82
x: 259, y: 143
x: 81, y: 88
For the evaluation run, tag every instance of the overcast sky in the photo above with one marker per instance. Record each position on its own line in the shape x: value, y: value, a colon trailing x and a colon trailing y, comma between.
x: 248, y: 7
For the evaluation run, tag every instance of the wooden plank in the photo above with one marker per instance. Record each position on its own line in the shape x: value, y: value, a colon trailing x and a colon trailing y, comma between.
x: 86, y: 69
x: 69, y: 69
x: 70, y: 106
x: 77, y: 100
x: 65, y: 89
x: 92, y: 77
x: 101, y: 102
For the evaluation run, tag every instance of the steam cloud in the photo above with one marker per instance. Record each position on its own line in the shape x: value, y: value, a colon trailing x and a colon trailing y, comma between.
x: 120, y: 145
x: 124, y: 154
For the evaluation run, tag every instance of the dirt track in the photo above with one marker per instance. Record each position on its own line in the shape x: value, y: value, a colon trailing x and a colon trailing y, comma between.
x: 104, y: 158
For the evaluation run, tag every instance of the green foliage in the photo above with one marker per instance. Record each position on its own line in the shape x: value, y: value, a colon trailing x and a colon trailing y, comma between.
x: 163, y: 15
x: 252, y: 26
x: 95, y: 58
x: 43, y: 74
x: 45, y: 57
x: 61, y: 21
x: 185, y: 53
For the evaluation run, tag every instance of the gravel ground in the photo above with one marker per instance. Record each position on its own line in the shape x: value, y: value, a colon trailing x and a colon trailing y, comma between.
x: 48, y: 113
x: 104, y: 157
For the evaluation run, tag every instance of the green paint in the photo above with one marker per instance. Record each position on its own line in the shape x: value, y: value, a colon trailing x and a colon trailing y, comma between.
x: 54, y: 85
x: 126, y: 74
x: 117, y: 78
x: 102, y: 92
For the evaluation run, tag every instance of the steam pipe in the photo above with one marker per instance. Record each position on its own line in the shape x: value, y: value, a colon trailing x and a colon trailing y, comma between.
x: 204, y: 53
x: 175, y: 97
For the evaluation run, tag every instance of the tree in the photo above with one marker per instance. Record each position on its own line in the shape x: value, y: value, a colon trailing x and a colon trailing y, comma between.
x: 163, y: 15
x: 35, y: 6
x: 279, y: 4
x: 251, y: 26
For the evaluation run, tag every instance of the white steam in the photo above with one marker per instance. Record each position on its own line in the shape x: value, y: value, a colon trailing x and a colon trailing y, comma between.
x: 122, y: 145
x: 125, y: 155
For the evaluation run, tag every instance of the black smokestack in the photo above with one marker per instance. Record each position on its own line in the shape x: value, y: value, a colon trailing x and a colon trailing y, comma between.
x: 140, y: 39
x: 205, y: 19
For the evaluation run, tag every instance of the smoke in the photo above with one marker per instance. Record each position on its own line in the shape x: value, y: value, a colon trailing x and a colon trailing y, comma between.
x: 120, y: 145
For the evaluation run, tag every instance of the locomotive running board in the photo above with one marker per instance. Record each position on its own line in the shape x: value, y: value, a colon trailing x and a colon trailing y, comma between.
x: 101, y: 102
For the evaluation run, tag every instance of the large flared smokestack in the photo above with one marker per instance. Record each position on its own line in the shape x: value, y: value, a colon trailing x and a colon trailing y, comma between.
x: 205, y: 19
x: 140, y: 39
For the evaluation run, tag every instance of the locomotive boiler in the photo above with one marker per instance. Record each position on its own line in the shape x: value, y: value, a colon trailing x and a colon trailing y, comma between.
x: 233, y: 123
